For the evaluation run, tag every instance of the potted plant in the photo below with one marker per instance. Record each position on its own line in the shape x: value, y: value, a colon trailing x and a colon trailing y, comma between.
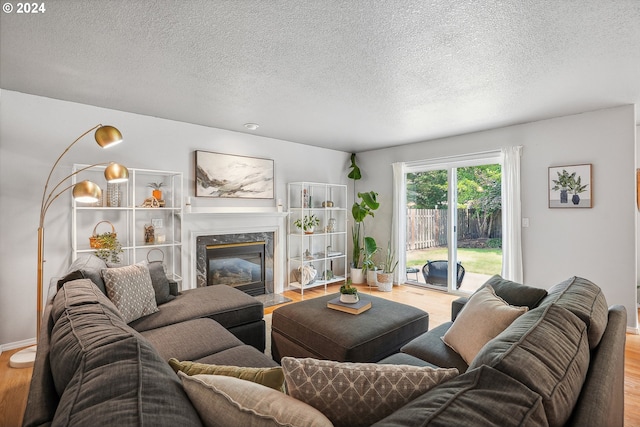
x: 157, y: 189
x: 576, y: 187
x: 385, y: 276
x: 348, y: 293
x: 308, y: 223
x: 366, y: 206
x: 563, y: 184
x: 108, y: 248
x: 369, y: 267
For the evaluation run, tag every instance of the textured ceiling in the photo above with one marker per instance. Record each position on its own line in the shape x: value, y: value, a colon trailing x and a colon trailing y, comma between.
x: 351, y: 75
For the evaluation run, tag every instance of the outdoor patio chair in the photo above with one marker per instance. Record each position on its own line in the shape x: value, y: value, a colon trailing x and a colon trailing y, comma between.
x: 436, y: 273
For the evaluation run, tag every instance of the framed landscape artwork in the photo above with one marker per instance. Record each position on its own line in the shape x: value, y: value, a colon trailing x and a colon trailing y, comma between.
x: 231, y: 176
x: 570, y: 186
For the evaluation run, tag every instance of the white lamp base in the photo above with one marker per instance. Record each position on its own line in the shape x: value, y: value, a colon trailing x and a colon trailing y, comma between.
x: 23, y: 358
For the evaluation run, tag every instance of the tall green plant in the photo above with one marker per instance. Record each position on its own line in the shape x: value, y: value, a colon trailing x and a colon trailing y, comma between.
x: 366, y: 206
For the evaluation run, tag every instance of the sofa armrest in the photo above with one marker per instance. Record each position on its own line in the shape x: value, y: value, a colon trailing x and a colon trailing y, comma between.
x: 173, y: 288
x: 456, y: 306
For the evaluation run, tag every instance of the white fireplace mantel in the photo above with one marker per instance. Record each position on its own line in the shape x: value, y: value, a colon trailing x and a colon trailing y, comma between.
x: 198, y: 222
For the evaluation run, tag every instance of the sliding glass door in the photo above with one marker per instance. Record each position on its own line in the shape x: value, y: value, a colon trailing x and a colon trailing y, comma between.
x: 453, y: 223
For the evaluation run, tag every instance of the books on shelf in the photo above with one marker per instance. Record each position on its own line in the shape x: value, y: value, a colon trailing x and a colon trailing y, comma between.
x: 357, y: 308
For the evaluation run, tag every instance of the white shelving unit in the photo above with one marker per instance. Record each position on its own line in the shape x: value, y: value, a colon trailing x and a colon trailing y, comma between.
x: 130, y: 218
x: 325, y: 249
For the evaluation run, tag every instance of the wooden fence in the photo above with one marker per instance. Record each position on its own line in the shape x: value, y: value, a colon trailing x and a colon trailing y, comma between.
x: 427, y: 228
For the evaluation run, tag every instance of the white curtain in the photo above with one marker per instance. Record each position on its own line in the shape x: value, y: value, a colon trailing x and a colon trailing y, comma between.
x: 511, y: 215
x: 399, y: 221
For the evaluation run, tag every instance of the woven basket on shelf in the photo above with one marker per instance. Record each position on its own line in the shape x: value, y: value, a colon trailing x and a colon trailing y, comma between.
x: 93, y: 240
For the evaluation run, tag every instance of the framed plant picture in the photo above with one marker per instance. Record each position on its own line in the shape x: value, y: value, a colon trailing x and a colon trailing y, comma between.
x: 570, y: 186
x: 231, y: 176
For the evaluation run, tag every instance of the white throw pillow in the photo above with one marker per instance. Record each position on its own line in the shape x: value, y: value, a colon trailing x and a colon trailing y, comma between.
x: 223, y: 401
x: 358, y: 394
x: 483, y: 317
x: 130, y: 290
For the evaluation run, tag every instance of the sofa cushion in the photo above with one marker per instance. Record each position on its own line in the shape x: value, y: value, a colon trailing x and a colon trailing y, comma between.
x: 516, y: 293
x: 191, y: 339
x: 358, y: 394
x: 130, y: 289
x: 271, y: 377
x: 430, y: 348
x: 481, y: 319
x: 226, y: 305
x: 546, y: 350
x: 481, y: 397
x: 225, y: 401
x: 104, y: 371
x: 585, y: 300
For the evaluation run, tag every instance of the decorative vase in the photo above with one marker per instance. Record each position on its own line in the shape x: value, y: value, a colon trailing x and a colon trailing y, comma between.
x: 309, y: 230
x: 349, y: 298
x: 357, y: 276
x: 575, y: 199
x: 563, y: 196
x: 385, y: 282
x: 113, y: 195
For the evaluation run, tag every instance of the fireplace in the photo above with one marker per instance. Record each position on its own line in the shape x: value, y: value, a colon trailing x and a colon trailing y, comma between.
x: 241, y: 265
x: 240, y: 253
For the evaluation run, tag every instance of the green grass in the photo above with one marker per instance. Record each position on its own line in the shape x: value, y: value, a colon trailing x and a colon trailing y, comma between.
x: 482, y: 261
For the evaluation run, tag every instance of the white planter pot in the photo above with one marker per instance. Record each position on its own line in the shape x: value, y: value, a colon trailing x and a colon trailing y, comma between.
x: 385, y: 282
x: 372, y: 279
x: 357, y: 276
x: 349, y: 298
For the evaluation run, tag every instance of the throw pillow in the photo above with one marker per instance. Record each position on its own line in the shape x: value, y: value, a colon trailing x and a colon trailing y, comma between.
x: 481, y: 320
x: 130, y: 290
x: 229, y: 402
x: 516, y: 293
x: 358, y: 394
x: 269, y: 377
x: 91, y: 267
x: 74, y: 275
x: 160, y: 282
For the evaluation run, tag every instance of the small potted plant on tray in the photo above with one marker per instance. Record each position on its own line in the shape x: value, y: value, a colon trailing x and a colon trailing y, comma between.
x: 349, y: 294
x: 308, y: 223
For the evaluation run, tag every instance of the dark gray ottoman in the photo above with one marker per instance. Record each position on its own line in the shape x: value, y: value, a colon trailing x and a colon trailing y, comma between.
x: 310, y: 329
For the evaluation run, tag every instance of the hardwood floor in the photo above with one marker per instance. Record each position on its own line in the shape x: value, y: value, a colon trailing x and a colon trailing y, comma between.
x: 14, y: 383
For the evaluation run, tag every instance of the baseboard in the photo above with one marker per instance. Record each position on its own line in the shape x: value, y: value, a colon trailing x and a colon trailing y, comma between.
x: 17, y: 344
x: 632, y: 330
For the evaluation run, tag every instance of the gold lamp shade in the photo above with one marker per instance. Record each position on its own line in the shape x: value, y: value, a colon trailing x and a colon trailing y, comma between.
x: 115, y: 173
x: 86, y: 192
x: 108, y: 136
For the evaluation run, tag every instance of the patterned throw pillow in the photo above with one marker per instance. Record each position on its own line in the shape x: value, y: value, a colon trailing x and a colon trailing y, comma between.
x: 358, y: 394
x: 231, y: 402
x: 270, y: 377
x: 130, y: 290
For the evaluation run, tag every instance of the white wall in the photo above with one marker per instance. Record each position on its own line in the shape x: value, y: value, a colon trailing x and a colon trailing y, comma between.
x: 35, y: 130
x: 599, y: 243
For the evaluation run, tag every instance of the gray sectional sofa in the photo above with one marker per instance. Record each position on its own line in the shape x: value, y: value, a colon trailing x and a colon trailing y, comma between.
x: 560, y: 363
x: 92, y: 368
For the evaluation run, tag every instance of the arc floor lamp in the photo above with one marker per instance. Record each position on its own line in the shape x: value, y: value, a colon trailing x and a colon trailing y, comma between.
x: 84, y: 192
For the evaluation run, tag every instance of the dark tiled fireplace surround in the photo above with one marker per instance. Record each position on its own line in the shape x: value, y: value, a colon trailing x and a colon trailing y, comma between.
x: 269, y: 298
